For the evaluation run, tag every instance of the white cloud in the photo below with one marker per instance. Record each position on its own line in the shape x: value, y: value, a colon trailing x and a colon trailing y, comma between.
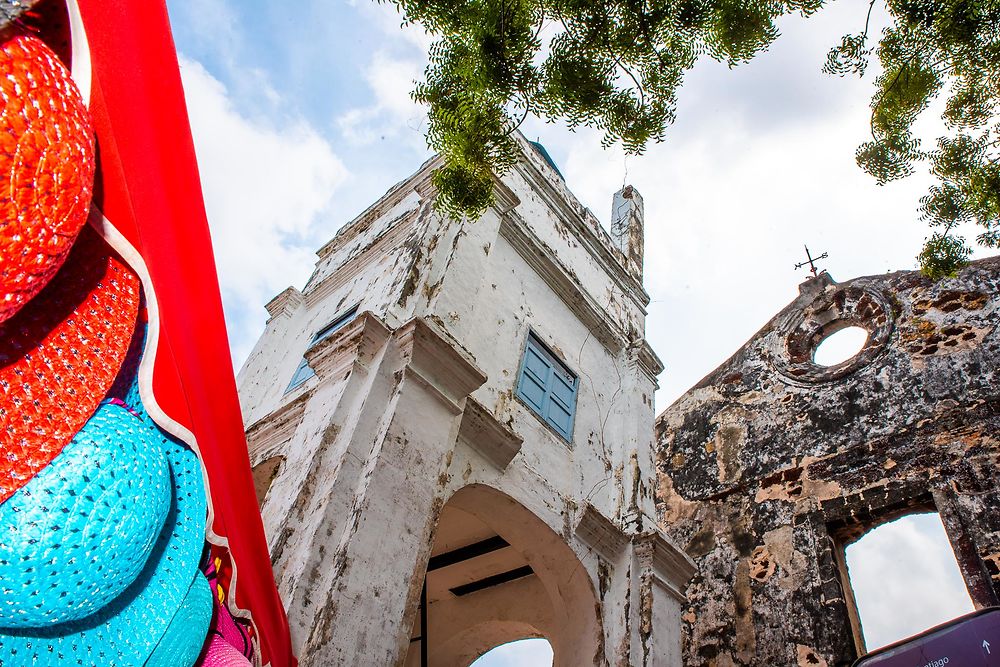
x: 393, y: 115
x: 387, y: 19
x: 266, y: 187
x: 727, y: 213
x: 840, y: 346
x: 210, y: 22
x: 906, y: 579
x: 391, y: 75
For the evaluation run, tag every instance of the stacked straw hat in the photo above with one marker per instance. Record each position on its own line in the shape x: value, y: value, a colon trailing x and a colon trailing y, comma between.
x: 220, y: 653
x: 82, y: 530
x: 102, y: 514
x: 59, y: 351
x: 47, y: 158
x: 60, y: 354
x: 87, y: 585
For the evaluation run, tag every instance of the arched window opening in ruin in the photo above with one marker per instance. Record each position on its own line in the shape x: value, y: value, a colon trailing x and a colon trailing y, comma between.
x: 521, y: 653
x: 840, y: 346
x: 497, y: 575
x: 905, y: 579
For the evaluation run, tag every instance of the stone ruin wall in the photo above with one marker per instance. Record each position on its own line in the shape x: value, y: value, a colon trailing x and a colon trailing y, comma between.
x: 772, y: 464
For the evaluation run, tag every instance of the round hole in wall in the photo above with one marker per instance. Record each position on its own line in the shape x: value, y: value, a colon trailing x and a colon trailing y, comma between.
x: 840, y: 346
x: 792, y: 344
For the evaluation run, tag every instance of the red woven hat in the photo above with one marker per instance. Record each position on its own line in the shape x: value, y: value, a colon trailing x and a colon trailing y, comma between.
x: 59, y: 356
x: 47, y: 162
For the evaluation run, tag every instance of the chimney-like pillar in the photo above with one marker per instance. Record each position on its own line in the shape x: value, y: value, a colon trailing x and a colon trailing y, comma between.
x: 627, y: 213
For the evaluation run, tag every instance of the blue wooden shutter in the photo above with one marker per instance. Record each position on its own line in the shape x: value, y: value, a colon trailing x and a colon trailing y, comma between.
x: 304, y: 371
x: 562, y: 401
x: 548, y: 387
x: 535, y: 377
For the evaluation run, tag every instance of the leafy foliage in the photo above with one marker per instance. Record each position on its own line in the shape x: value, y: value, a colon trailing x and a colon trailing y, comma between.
x: 934, y: 46
x: 617, y: 65
x: 943, y: 255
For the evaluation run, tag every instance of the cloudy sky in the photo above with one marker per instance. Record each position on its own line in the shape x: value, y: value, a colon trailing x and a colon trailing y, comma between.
x: 302, y: 118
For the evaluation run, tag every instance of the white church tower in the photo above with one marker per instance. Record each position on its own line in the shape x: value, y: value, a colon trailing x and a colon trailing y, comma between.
x: 452, y: 429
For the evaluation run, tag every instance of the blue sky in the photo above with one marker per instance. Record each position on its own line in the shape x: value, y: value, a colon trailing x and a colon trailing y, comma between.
x: 302, y: 117
x: 760, y: 162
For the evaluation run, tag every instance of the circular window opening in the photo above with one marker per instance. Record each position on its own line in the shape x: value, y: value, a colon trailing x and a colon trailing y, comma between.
x: 840, y: 346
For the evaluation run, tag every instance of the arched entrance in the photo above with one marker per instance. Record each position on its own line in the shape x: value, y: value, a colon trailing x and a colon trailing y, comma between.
x: 498, y: 573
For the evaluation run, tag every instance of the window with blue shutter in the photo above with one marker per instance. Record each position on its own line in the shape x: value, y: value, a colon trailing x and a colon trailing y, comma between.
x: 303, y: 371
x: 548, y: 387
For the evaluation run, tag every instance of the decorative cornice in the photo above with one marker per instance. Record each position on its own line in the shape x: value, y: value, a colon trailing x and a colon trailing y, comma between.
x: 481, y: 430
x: 547, y: 265
x: 285, y: 304
x: 600, y: 533
x: 438, y: 362
x: 582, y: 223
x: 415, y: 183
x: 671, y: 567
x: 352, y: 346
x: 648, y: 361
x: 504, y: 201
x: 359, y: 262
x: 267, y: 434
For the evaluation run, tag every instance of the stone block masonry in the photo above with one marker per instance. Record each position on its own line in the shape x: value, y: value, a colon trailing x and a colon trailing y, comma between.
x: 772, y: 464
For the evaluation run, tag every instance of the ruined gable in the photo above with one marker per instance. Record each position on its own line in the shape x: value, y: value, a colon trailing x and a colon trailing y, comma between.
x: 773, y: 463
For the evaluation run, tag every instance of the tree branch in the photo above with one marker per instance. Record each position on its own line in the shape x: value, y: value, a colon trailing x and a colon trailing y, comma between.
x: 864, y: 35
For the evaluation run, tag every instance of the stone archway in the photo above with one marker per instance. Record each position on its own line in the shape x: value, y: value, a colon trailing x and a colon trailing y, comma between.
x: 498, y: 573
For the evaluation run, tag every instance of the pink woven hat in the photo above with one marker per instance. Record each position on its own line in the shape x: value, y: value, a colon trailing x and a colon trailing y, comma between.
x: 220, y: 653
x: 228, y: 644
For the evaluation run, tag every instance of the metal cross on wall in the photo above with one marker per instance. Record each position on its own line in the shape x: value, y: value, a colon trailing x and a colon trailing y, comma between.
x: 811, y: 261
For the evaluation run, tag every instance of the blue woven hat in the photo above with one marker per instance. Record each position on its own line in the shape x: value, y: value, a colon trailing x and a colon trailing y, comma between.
x: 133, y: 584
x: 176, y: 646
x: 82, y: 529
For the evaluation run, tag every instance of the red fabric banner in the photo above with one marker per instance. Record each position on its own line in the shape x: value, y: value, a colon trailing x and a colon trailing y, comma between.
x: 149, y: 190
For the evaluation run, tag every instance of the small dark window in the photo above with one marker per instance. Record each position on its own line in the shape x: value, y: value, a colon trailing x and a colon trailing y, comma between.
x: 548, y: 387
x: 263, y: 474
x: 303, y: 371
x: 326, y: 331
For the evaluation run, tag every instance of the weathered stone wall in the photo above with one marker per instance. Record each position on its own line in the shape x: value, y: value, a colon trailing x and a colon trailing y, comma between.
x: 771, y: 464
